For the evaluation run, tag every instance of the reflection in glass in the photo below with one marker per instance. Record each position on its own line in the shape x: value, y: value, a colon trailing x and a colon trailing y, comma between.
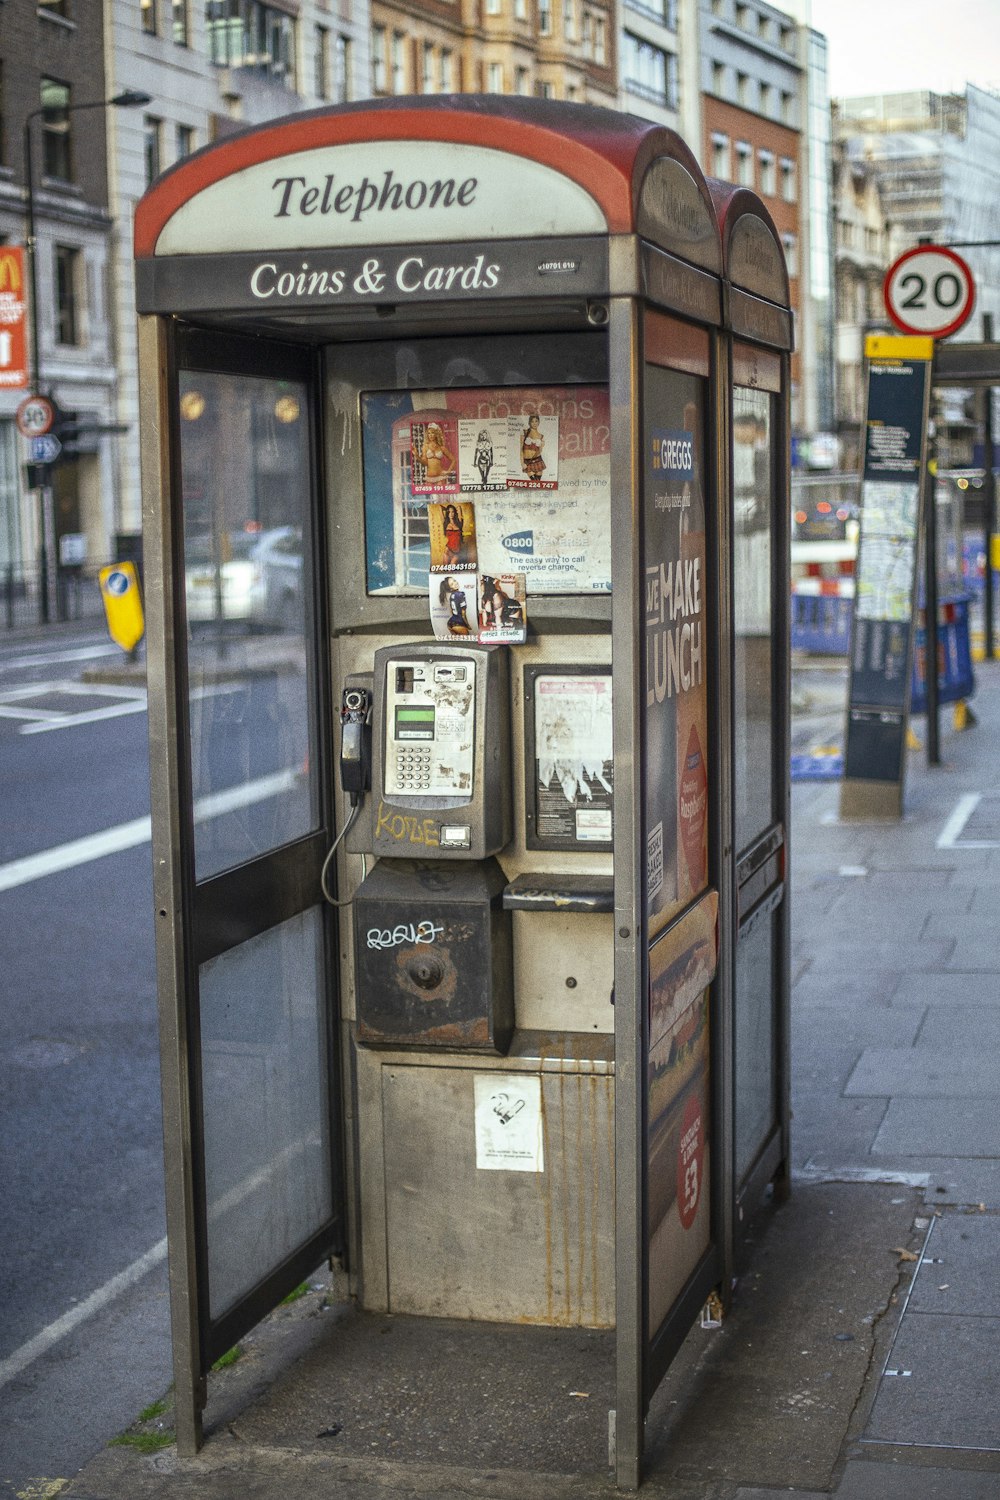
x: 753, y: 706
x: 248, y: 601
x: 267, y: 1142
x: 753, y: 1043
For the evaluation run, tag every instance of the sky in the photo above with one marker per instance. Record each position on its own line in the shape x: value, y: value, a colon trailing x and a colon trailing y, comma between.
x: 886, y: 46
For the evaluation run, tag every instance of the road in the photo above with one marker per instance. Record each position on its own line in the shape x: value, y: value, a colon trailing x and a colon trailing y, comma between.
x: 84, y: 1334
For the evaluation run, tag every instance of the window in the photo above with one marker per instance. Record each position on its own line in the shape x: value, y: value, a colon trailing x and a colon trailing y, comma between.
x: 767, y: 183
x: 718, y: 78
x: 378, y: 59
x: 788, y: 38
x: 184, y: 142
x: 398, y: 63
x: 763, y: 27
x: 427, y: 74
x: 67, y: 269
x: 744, y: 164
x: 152, y: 145
x: 321, y: 63
x: 743, y: 16
x: 522, y: 81
x: 569, y: 20
x: 649, y: 71
x: 791, y: 247
x: 545, y: 90
x: 54, y: 8
x: 342, y: 69
x: 600, y: 39
x: 521, y: 9
x: 57, y: 157
x: 179, y: 22
x: 788, y: 108
x: 493, y: 7
x: 147, y: 12
x: 742, y: 89
x: 545, y: 17
x: 251, y: 34
x: 720, y: 156
x: 766, y: 99
x: 494, y: 78
x: 787, y: 179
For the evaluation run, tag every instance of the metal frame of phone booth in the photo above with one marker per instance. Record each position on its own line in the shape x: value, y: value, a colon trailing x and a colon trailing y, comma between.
x: 759, y: 337
x: 311, y: 293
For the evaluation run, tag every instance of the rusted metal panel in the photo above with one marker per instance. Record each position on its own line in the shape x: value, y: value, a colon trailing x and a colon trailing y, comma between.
x: 433, y: 963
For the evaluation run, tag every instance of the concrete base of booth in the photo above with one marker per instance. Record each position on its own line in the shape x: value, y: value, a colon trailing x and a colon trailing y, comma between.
x: 871, y: 799
x: 466, y: 1214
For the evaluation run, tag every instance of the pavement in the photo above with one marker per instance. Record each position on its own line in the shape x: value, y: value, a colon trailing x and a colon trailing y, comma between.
x: 861, y: 1357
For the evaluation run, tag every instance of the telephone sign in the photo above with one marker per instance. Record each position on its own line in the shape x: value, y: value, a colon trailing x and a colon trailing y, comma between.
x: 929, y: 290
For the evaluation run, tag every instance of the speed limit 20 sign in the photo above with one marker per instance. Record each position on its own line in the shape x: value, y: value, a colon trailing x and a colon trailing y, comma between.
x: 929, y: 291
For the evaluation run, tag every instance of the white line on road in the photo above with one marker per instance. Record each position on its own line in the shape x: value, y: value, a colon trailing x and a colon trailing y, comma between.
x: 53, y: 658
x: 90, y: 716
x: 138, y: 831
x: 964, y: 808
x: 11, y: 1367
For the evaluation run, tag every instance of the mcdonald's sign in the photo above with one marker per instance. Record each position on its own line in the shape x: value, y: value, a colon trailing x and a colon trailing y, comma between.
x: 13, y: 359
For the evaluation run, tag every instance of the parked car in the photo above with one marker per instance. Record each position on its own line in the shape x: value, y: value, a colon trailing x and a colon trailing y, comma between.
x: 254, y: 577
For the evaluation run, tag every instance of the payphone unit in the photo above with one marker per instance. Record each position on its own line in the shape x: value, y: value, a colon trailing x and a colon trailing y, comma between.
x: 441, y: 762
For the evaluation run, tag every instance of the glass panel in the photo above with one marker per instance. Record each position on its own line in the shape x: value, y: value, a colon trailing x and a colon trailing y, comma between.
x: 267, y: 1135
x: 753, y: 565
x: 249, y: 601
x: 754, y: 1043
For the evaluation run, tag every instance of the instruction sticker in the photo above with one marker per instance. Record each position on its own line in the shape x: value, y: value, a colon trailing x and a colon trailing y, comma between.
x: 509, y: 1122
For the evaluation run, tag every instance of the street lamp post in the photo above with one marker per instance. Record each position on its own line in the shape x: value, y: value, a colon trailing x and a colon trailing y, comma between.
x: 127, y: 99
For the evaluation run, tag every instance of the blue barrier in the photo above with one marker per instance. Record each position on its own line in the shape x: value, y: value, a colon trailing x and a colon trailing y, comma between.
x: 956, y: 678
x: 821, y: 624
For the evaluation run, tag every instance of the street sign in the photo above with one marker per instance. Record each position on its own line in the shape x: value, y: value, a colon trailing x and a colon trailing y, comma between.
x: 13, y: 360
x: 929, y: 290
x: 45, y: 449
x: 34, y: 416
x: 122, y: 604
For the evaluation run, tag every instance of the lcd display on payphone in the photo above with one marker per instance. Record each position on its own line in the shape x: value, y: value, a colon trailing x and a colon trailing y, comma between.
x: 524, y: 471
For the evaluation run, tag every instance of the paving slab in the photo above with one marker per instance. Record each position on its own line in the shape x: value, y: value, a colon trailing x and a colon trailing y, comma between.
x: 958, y: 1271
x: 976, y: 953
x: 964, y: 1026
x: 826, y: 986
x: 923, y: 1073
x: 911, y: 1481
x: 838, y: 1025
x: 930, y: 1128
x: 948, y: 988
x: 821, y: 1121
x: 843, y: 953
x: 946, y: 1389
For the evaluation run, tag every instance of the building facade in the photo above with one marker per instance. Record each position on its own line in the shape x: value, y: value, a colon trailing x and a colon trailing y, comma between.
x: 209, y: 67
x: 754, y: 119
x: 52, y: 151
x: 550, y: 49
x: 862, y: 255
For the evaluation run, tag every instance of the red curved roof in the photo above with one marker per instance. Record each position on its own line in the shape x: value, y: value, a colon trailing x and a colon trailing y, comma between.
x: 606, y: 153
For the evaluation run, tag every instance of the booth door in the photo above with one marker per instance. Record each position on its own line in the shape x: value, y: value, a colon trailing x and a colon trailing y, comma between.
x: 759, y: 533
x: 255, y: 827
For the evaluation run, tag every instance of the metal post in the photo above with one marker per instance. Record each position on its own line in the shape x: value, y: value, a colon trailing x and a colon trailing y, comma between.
x: 989, y: 503
x: 931, y: 611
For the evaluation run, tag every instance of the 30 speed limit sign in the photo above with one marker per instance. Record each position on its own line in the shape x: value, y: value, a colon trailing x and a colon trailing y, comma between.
x: 34, y: 416
x: 929, y: 291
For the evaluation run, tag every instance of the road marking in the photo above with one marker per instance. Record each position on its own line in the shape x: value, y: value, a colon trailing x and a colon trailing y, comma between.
x: 138, y: 831
x: 950, y: 835
x: 89, y: 716
x: 53, y: 658
x: 13, y: 1366
x: 42, y: 1342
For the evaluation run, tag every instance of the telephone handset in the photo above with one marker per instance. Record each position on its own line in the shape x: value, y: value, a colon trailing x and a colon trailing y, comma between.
x: 441, y: 761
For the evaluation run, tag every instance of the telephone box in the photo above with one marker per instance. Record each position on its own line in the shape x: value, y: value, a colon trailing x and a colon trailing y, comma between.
x: 467, y: 672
